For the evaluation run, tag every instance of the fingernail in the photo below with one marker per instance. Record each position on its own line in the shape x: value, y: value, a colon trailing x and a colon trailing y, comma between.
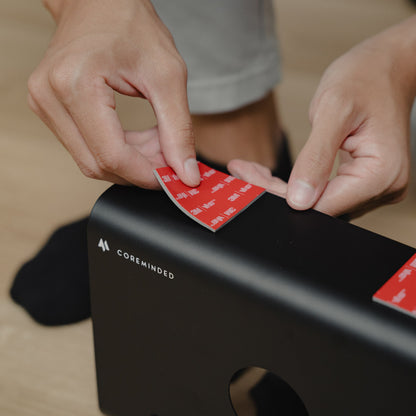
x: 192, y: 171
x: 301, y: 194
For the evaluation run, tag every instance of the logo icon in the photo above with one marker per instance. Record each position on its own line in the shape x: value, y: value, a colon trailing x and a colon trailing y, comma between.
x: 103, y: 245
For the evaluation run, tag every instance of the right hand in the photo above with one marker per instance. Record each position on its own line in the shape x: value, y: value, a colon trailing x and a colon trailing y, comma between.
x: 99, y: 47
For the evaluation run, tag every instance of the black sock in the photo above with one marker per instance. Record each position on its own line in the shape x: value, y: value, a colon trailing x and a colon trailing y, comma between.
x: 53, y: 287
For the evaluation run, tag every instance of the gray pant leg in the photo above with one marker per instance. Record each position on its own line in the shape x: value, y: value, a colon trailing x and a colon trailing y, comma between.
x: 230, y: 49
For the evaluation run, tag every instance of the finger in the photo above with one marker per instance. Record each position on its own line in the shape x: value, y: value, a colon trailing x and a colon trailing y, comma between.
x: 170, y: 104
x: 148, y: 144
x: 344, y: 194
x: 359, y: 187
x: 55, y: 116
x: 92, y: 107
x: 257, y: 174
x: 313, y: 166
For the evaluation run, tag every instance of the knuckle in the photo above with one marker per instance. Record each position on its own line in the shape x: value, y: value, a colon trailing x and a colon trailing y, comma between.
x: 187, y: 134
x: 178, y: 67
x: 400, y: 186
x: 90, y: 173
x: 33, y: 105
x: 183, y: 68
x: 107, y: 161
x: 312, y: 110
x: 175, y: 70
x: 36, y: 86
x: 58, y: 78
x: 336, y: 99
x: 69, y: 82
x: 61, y: 77
x: 88, y: 168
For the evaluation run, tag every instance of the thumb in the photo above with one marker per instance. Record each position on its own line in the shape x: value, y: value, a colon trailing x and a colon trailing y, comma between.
x: 314, y: 164
x: 177, y: 140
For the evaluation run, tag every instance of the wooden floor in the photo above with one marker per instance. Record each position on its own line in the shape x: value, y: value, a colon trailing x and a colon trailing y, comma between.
x: 50, y: 372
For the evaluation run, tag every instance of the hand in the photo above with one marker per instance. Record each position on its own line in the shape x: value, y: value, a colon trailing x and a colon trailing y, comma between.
x: 362, y: 108
x: 100, y: 47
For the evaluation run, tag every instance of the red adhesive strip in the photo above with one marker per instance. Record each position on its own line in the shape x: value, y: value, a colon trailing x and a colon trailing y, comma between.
x: 216, y: 201
x: 399, y: 292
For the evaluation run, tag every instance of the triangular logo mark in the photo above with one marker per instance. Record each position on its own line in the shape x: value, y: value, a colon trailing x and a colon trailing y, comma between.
x: 103, y: 245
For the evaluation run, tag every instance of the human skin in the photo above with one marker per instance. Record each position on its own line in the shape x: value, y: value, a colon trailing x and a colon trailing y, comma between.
x: 98, y: 48
x: 102, y: 46
x: 362, y: 110
x: 252, y: 132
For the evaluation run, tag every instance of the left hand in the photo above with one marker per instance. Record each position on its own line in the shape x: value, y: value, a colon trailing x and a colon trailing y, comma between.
x: 361, y: 108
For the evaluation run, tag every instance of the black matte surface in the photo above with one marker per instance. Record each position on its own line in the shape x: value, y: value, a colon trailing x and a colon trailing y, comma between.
x: 279, y: 289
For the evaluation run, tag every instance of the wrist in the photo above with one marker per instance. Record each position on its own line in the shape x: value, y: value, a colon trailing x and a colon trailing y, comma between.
x: 57, y: 8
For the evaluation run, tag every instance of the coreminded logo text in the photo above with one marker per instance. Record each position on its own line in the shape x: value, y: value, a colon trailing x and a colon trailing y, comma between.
x: 144, y: 263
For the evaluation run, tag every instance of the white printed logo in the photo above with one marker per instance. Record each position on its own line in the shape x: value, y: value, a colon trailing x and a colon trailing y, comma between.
x: 400, y: 296
x: 103, y: 245
x: 404, y: 274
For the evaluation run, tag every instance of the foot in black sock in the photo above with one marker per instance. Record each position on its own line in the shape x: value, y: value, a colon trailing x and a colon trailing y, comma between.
x: 53, y: 287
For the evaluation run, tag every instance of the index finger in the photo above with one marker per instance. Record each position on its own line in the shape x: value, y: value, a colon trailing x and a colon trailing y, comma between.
x: 93, y: 111
x: 170, y: 104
